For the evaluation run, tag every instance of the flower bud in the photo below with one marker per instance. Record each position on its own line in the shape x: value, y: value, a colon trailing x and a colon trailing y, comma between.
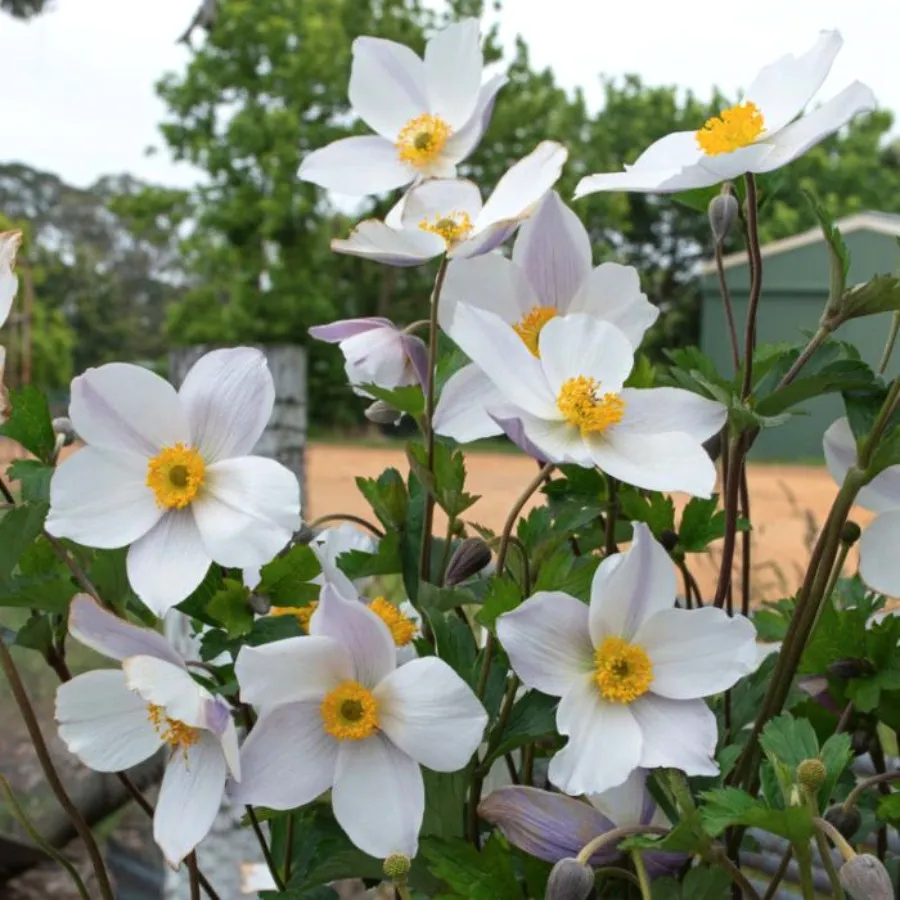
x: 859, y: 741
x: 382, y: 413
x: 811, y: 774
x: 570, y: 880
x: 850, y: 533
x: 669, y: 540
x: 865, y: 878
x: 846, y: 821
x: 722, y: 211
x: 846, y: 669
x: 397, y: 865
x: 63, y: 427
x: 259, y: 603
x: 469, y: 558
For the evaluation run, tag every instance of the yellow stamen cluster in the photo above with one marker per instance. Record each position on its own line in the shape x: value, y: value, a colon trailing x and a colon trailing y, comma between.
x: 530, y: 325
x: 402, y: 628
x: 623, y: 671
x: 421, y: 140
x: 302, y: 613
x: 176, y: 734
x: 350, y: 712
x: 732, y: 129
x: 583, y: 405
x: 176, y: 475
x: 453, y: 228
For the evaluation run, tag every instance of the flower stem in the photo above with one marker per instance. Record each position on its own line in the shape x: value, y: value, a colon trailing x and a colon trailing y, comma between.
x: 731, y: 502
x: 881, y: 778
x: 613, y: 837
x: 755, y: 254
x: 780, y: 872
x: 815, y: 342
x: 193, y: 875
x: 612, y: 512
x: 837, y: 890
x: 719, y: 857
x: 804, y: 862
x: 729, y: 309
x: 346, y: 517
x: 839, y: 841
x: 289, y: 849
x: 264, y: 846
x: 642, y: 876
x: 889, y: 346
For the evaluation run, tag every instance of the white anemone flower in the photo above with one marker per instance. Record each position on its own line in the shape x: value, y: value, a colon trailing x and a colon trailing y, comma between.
x: 550, y: 275
x: 332, y: 543
x: 878, y: 545
x: 446, y: 215
x: 361, y: 725
x: 568, y: 404
x: 758, y: 135
x: 428, y: 115
x: 169, y: 474
x: 9, y: 284
x: 631, y: 669
x: 113, y: 719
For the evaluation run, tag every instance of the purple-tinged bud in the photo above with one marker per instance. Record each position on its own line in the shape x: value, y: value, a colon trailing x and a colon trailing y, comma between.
x: 846, y: 821
x: 851, y: 668
x: 382, y: 413
x: 722, y: 211
x: 469, y: 558
x: 865, y: 878
x: 570, y: 880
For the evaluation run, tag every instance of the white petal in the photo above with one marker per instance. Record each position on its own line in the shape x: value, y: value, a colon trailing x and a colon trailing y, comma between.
x: 626, y: 804
x: 604, y: 745
x: 467, y: 138
x: 377, y: 357
x: 680, y: 734
x: 103, y: 723
x: 329, y: 545
x: 453, y: 64
x: 356, y: 165
x: 363, y: 634
x: 114, y: 637
x: 547, y: 641
x: 438, y: 198
x: 550, y: 441
x: 676, y: 150
x: 288, y: 759
x: 9, y: 283
x: 698, y: 652
x: 228, y: 397
x: 431, y: 714
x: 461, y: 411
x: 484, y: 241
x: 656, y: 410
x: 612, y: 292
x: 291, y: 670
x: 100, y: 498
x: 582, y: 345
x: 228, y: 741
x: 378, y: 797
x: 648, y: 181
x: 168, y: 563
x: 372, y: 239
x: 248, y: 510
x: 522, y: 186
x: 189, y: 798
x: 631, y: 587
x: 656, y: 462
x: 163, y: 684
x: 129, y: 408
x: 878, y: 554
x: 554, y: 251
x: 385, y: 85
x: 783, y: 88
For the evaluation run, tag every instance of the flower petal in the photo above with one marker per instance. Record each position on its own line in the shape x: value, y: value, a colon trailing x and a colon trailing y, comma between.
x: 329, y: 545
x: 484, y: 241
x: 680, y: 734
x: 291, y: 670
x: 288, y: 758
x: 372, y: 239
x: 163, y: 684
x: 104, y: 723
x: 128, y: 408
x: 453, y: 64
x: 344, y: 329
x: 106, y: 633
x: 9, y: 283
x: 385, y: 85
x: 189, y: 798
x: 631, y: 587
x: 878, y: 554
x: 604, y: 745
x: 648, y: 181
x: 100, y: 498
x: 548, y: 642
x: 698, y: 652
x: 438, y: 198
x: 556, y: 442
x: 168, y: 563
x: 467, y: 138
x: 431, y: 714
x: 461, y: 411
x: 378, y: 797
x: 378, y: 357
x: 655, y: 410
x: 364, y: 635
x: 356, y: 165
x: 248, y: 511
x: 228, y: 397
x: 626, y: 804
x: 554, y: 251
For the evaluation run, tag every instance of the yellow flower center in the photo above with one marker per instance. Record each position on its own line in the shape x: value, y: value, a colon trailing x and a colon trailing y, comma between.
x: 453, y: 228
x: 402, y: 628
x: 582, y: 404
x: 176, y: 734
x: 422, y: 139
x: 302, y: 613
x: 732, y: 129
x: 350, y: 712
x: 176, y: 475
x: 623, y: 671
x: 530, y: 325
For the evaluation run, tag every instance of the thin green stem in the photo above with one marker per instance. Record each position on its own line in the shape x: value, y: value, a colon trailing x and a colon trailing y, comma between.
x: 613, y: 837
x: 837, y: 890
x: 780, y: 872
x: 730, y: 503
x: 264, y: 846
x: 402, y: 889
x: 640, y: 869
x: 881, y: 778
x: 289, y: 849
x: 346, y: 517
x: 815, y: 342
x: 612, y: 512
x: 836, y: 838
x: 616, y: 872
x: 889, y: 345
x: 720, y: 858
x: 804, y: 862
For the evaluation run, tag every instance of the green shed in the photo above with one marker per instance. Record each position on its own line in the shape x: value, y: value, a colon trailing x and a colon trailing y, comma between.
x: 795, y: 288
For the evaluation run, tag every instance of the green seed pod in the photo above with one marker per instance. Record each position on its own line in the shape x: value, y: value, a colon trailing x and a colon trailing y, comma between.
x: 811, y: 774
x: 397, y: 866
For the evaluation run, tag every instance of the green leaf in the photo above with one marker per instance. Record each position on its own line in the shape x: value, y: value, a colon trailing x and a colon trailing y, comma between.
x: 789, y: 740
x: 703, y: 883
x: 445, y: 803
x: 701, y: 524
x: 230, y: 607
x: 384, y: 561
x: 501, y: 596
x: 688, y: 836
x: 455, y: 645
x: 409, y: 399
x: 48, y: 593
x: 880, y: 295
x: 656, y: 510
x: 36, y: 634
x: 838, y: 254
x: 446, y: 485
x: 470, y: 874
x: 107, y: 573
x: 286, y: 579
x: 29, y: 422
x: 387, y: 495
x: 643, y: 373
x: 836, y: 753
x: 841, y: 375
x: 33, y: 477
x: 532, y: 718
x: 18, y: 528
x: 195, y: 605
x: 726, y: 807
x: 432, y: 598
x: 889, y: 809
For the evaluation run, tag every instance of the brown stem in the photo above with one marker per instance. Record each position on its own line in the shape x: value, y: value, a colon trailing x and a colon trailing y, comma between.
x: 729, y: 309
x: 780, y: 872
x: 746, y: 547
x: 730, y: 504
x: 876, y: 752
x: 815, y: 342
x: 193, y: 875
x: 755, y: 254
x: 264, y: 846
x: 880, y: 778
x: 346, y: 517
x: 77, y: 572
x: 611, y: 515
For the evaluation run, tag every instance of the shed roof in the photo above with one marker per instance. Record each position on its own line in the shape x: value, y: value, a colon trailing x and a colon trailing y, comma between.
x: 879, y: 222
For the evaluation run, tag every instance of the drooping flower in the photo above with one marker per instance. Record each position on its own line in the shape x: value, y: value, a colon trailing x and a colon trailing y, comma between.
x: 113, y: 719
x: 428, y: 115
x: 361, y: 725
x: 376, y: 352
x: 446, y: 215
x: 550, y: 275
x: 880, y: 540
x: 630, y: 668
x: 759, y: 135
x: 169, y: 473
x: 568, y: 403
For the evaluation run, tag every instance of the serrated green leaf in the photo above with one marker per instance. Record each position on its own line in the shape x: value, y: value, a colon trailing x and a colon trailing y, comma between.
x: 449, y: 477
x: 34, y: 479
x: 880, y: 295
x: 433, y: 598
x: 195, y: 605
x: 838, y: 254
x: 18, y: 528
x: 36, y: 634
x: 726, y: 807
x: 445, y: 803
x: 409, y: 399
x: 388, y: 497
x: 889, y: 809
x: 500, y: 597
x: 29, y: 422
x: 286, y: 579
x: 657, y: 510
x: 789, y: 740
x: 841, y: 375
x: 470, y: 874
x: 48, y: 593
x: 384, y: 561
x: 836, y: 754
x: 230, y: 607
x: 455, y: 645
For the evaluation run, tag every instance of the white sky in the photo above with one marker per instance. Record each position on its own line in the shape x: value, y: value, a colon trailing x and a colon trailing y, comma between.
x: 78, y: 98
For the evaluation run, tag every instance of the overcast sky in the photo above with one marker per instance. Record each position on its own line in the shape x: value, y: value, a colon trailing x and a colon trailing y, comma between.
x: 78, y: 98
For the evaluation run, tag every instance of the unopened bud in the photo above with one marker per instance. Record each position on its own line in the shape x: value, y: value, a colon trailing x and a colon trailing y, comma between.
x: 382, y: 413
x: 259, y: 603
x: 859, y: 741
x: 866, y: 878
x: 397, y: 865
x: 722, y: 211
x: 570, y: 880
x: 669, y: 540
x: 850, y: 668
x: 811, y: 774
x: 846, y: 821
x: 63, y: 427
x: 469, y: 558
x: 850, y: 533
